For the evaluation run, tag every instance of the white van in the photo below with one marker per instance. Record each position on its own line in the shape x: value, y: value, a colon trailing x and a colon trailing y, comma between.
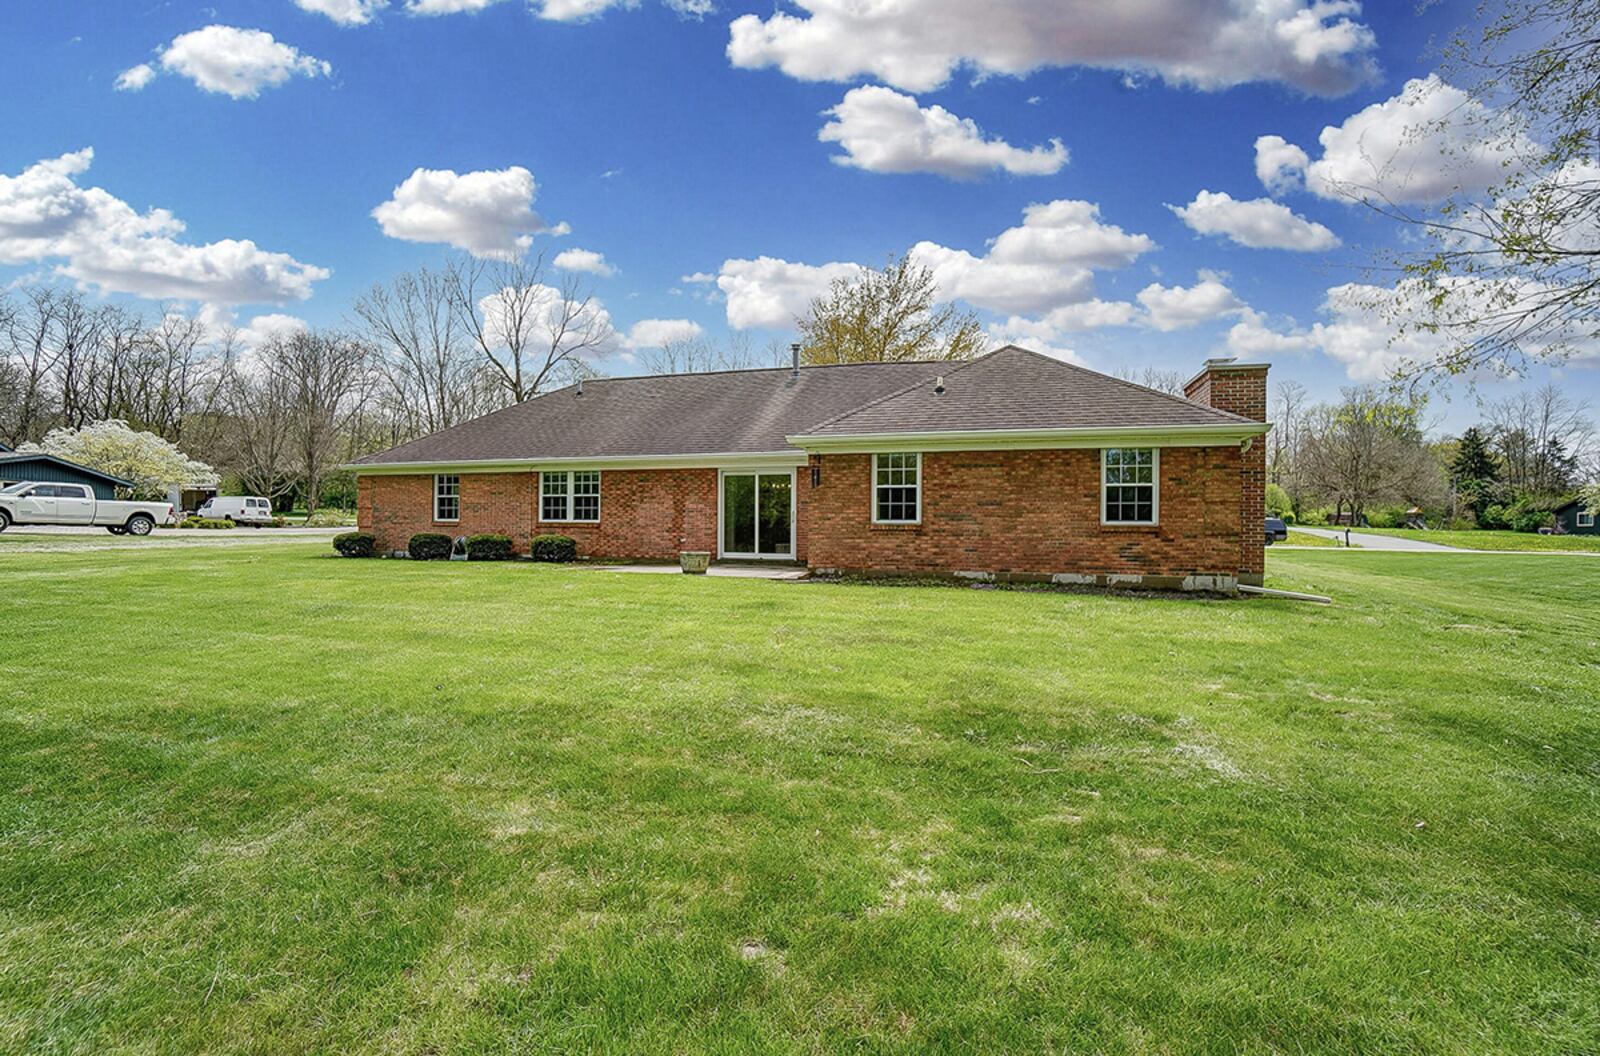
x: 240, y: 509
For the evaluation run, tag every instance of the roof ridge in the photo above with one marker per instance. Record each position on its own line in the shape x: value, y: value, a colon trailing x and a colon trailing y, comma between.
x: 1131, y: 384
x: 963, y: 365
x: 786, y: 368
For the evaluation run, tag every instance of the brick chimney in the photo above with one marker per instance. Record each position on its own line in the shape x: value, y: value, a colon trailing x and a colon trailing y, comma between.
x: 1241, y: 388
x: 1228, y: 385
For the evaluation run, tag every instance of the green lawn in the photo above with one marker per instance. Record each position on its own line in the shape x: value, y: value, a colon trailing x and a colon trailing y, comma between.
x: 1307, y: 539
x: 1492, y: 540
x: 263, y: 800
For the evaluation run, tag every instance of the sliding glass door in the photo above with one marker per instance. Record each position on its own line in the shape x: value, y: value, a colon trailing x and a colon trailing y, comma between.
x: 758, y: 515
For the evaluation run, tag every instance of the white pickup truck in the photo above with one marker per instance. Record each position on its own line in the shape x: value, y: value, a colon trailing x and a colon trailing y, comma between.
x: 27, y: 503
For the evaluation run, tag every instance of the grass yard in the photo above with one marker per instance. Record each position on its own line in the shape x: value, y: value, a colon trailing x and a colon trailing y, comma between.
x: 262, y: 800
x: 1307, y: 539
x: 1495, y: 540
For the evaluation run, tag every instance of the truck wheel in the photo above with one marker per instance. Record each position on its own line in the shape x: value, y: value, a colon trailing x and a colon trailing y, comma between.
x: 116, y: 529
x: 140, y: 524
x: 5, y: 520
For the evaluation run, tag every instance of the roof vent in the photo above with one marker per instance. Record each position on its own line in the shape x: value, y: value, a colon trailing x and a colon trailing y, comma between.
x: 794, y: 355
x: 938, y: 385
x: 580, y: 387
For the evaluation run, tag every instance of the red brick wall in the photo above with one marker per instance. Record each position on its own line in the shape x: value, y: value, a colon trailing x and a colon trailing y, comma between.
x: 1242, y: 390
x: 646, y: 513
x: 1028, y: 512
x: 394, y: 508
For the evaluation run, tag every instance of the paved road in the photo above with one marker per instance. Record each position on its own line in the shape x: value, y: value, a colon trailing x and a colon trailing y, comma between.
x: 1379, y: 542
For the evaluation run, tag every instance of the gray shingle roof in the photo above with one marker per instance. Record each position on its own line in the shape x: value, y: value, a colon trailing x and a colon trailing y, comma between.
x: 1013, y: 388
x: 753, y: 411
x: 741, y: 411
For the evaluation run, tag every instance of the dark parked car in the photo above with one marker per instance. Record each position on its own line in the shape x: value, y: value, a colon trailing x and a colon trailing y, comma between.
x: 1277, y: 531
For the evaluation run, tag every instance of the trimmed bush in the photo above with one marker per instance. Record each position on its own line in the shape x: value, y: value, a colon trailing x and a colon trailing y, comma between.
x: 489, y: 548
x: 429, y: 546
x: 355, y: 544
x: 559, y: 548
x: 208, y: 523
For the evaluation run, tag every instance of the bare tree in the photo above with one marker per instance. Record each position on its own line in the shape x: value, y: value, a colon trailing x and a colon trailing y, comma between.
x: 1543, y: 438
x: 1168, y: 381
x: 32, y: 344
x: 260, y: 441
x: 531, y: 335
x: 1288, y: 426
x: 697, y: 355
x: 434, y: 377
x: 325, y: 378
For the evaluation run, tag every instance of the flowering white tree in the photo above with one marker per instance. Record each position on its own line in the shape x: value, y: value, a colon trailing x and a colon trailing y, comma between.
x: 153, y: 464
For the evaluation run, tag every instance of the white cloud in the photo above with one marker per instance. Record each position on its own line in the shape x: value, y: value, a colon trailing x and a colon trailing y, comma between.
x: 1260, y: 223
x: 344, y: 12
x: 100, y: 240
x: 1422, y: 145
x: 235, y: 62
x: 1177, y: 307
x: 488, y: 213
x: 263, y: 328
x: 882, y: 130
x: 586, y: 260
x: 1034, y: 338
x: 1252, y: 338
x: 1047, y: 262
x: 135, y: 78
x: 653, y: 333
x: 767, y: 292
x: 917, y: 45
x: 446, y: 7
x: 1280, y: 165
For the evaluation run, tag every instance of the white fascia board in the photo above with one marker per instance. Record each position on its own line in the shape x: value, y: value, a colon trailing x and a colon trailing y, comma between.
x: 1013, y: 439
x: 724, y: 460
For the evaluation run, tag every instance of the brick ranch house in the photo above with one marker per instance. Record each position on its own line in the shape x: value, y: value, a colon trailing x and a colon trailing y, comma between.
x: 1013, y: 465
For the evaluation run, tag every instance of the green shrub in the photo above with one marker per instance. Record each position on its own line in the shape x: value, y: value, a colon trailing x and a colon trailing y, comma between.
x: 429, y: 546
x: 208, y: 523
x: 1387, y: 517
x: 1530, y: 520
x: 1318, y: 516
x: 330, y: 519
x: 355, y: 544
x: 1278, y: 502
x: 489, y: 548
x: 554, y: 548
x: 1288, y: 516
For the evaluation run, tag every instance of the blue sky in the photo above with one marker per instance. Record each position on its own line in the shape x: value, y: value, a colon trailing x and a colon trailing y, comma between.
x: 672, y: 157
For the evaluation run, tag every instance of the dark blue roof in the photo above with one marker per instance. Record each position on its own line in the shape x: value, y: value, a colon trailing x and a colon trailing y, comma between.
x: 13, y: 457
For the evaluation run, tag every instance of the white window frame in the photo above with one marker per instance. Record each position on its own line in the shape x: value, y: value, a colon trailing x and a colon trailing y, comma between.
x: 438, y: 484
x: 568, y: 497
x: 917, y: 487
x: 1155, y: 488
x: 1585, y: 519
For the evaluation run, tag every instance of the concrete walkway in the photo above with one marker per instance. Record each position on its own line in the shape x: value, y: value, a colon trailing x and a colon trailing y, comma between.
x: 1380, y: 542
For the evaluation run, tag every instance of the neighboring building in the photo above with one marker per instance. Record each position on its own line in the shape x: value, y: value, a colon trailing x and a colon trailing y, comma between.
x: 33, y: 466
x: 1013, y: 465
x: 1576, y: 518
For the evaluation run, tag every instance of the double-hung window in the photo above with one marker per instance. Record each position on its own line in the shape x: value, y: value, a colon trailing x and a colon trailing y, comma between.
x: 1129, y: 485
x: 897, y: 488
x: 569, y: 495
x: 1585, y: 518
x: 447, y: 497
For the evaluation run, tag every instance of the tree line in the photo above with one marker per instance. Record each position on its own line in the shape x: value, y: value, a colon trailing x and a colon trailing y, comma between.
x: 1367, y: 456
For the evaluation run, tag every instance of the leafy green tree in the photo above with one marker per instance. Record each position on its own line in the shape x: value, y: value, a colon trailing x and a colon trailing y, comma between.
x: 888, y: 315
x: 152, y: 463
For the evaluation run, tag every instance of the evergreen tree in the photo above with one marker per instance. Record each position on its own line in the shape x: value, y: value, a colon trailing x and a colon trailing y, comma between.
x: 1474, y: 470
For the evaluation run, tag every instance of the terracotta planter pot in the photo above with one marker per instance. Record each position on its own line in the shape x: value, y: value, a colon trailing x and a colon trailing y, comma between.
x: 695, y: 562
